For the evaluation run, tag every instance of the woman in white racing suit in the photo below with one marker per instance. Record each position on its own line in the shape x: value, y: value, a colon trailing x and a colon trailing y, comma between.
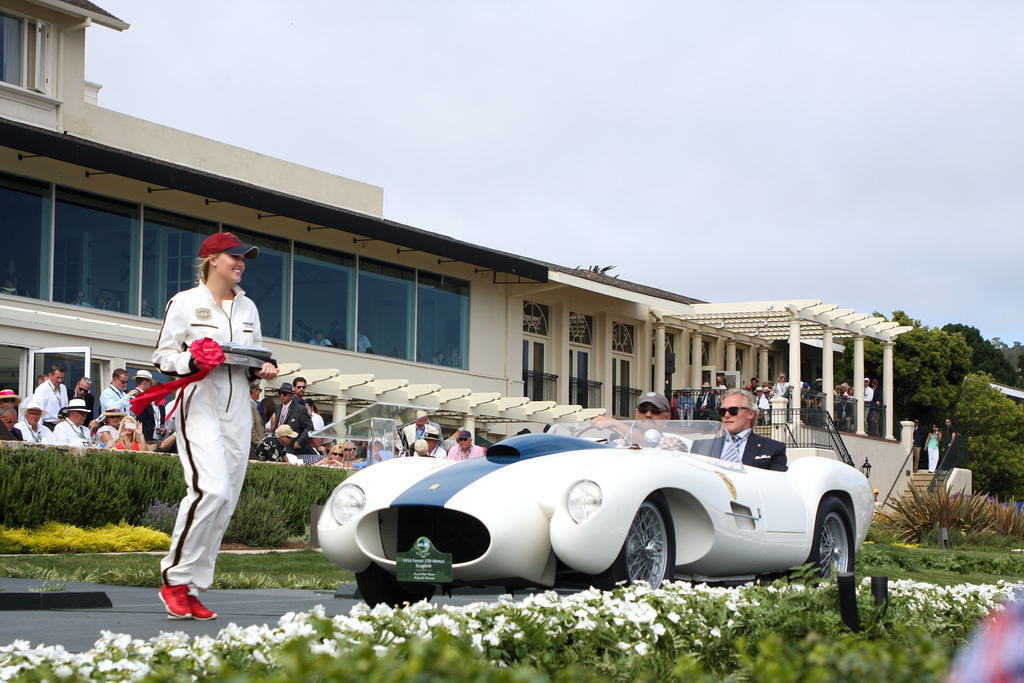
x: 213, y: 418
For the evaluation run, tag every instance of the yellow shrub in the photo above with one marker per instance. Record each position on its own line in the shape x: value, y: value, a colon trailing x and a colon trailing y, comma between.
x: 53, y: 537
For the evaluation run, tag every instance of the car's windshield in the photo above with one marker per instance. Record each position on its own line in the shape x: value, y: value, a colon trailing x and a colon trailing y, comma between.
x: 676, y: 435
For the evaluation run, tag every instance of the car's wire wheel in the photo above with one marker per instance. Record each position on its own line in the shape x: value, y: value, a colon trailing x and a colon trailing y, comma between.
x: 834, y: 545
x: 646, y: 546
x: 832, y: 550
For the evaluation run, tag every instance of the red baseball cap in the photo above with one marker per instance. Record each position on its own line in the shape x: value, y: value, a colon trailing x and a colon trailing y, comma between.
x: 229, y: 244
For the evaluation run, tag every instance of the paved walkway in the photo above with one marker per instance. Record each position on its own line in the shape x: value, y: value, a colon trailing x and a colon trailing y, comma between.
x: 139, y: 612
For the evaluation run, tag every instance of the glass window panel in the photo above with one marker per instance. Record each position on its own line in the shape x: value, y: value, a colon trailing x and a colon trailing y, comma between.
x: 385, y: 309
x: 266, y: 281
x: 95, y: 252
x: 535, y: 318
x: 622, y: 337
x: 11, y: 50
x: 25, y: 232
x: 581, y: 328
x: 323, y: 298
x: 442, y: 320
x: 170, y: 249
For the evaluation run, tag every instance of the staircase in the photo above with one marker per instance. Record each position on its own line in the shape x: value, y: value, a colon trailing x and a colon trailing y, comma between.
x: 920, y: 480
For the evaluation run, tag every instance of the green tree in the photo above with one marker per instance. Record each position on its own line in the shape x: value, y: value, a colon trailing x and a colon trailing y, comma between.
x: 994, y: 428
x: 929, y: 365
x: 985, y: 355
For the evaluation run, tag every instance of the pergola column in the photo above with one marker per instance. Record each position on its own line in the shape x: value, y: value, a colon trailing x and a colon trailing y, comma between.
x: 730, y: 355
x: 339, y: 409
x: 696, y: 359
x: 683, y: 357
x: 469, y: 424
x: 762, y: 365
x: 794, y: 365
x: 659, y: 358
x: 887, y: 386
x: 858, y: 379
x: 827, y: 370
x: 716, y: 359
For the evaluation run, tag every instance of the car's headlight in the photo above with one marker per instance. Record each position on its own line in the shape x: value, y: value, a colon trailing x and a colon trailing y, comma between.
x: 584, y: 499
x: 347, y: 502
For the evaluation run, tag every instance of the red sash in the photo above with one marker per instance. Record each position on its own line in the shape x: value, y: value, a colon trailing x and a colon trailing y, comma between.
x: 206, y: 353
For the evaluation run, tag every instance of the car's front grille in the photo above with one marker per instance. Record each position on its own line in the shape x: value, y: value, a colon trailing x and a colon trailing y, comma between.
x: 450, y: 531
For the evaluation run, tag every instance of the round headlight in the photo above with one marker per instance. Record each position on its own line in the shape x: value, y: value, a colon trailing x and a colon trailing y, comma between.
x: 584, y: 499
x: 347, y: 502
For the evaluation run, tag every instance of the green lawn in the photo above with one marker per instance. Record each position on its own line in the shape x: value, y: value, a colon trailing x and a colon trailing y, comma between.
x: 944, y: 567
x: 309, y: 569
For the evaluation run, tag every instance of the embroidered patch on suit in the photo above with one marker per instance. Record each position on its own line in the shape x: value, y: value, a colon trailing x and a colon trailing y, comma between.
x: 204, y: 314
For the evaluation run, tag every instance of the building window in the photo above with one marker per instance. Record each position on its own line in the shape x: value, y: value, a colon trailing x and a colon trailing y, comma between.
x: 622, y: 338
x: 535, y: 318
x: 170, y: 244
x: 266, y: 281
x: 385, y: 309
x: 23, y: 52
x: 442, y: 320
x: 25, y: 232
x: 581, y: 329
x: 95, y: 252
x: 323, y: 297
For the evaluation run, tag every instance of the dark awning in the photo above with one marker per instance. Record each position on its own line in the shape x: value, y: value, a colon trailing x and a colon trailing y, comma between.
x: 98, y: 157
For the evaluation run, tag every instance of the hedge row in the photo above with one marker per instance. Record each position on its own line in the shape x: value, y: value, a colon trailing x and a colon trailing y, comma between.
x: 96, y: 488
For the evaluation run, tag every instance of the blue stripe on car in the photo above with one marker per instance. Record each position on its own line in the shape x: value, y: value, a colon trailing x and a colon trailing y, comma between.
x: 438, y: 488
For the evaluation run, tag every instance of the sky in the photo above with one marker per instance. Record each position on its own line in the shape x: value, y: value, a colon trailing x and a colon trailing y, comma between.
x: 868, y: 154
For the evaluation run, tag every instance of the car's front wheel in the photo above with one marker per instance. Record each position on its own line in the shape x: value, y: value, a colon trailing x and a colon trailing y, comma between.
x: 832, y: 545
x: 377, y: 586
x: 649, y: 551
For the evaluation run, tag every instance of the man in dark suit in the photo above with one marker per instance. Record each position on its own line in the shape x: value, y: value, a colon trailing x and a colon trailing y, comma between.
x: 83, y: 390
x: 738, y: 411
x: 706, y: 403
x: 293, y: 413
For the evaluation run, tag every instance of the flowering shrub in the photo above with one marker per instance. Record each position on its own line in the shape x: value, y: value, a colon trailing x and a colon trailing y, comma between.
x: 776, y: 632
x: 159, y: 515
x: 53, y: 537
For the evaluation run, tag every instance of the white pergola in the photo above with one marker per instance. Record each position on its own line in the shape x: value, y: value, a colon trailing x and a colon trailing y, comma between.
x: 759, y: 323
x: 345, y: 392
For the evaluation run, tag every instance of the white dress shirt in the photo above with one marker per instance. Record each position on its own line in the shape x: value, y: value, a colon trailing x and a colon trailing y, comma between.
x: 42, y: 435
x: 52, y: 399
x: 67, y: 432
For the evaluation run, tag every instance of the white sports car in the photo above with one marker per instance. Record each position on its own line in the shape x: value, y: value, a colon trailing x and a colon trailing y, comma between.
x: 584, y: 504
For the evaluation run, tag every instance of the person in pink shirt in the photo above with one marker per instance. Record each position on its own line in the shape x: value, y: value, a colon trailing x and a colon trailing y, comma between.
x: 465, y: 448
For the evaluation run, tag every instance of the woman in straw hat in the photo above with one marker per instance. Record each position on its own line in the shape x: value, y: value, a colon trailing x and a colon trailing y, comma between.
x: 110, y: 421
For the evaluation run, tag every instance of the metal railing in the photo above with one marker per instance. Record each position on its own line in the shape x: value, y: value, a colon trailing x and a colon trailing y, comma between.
x: 584, y: 392
x: 624, y: 401
x: 845, y: 410
x: 539, y: 386
x: 874, y: 420
x: 815, y: 429
x: 947, y: 463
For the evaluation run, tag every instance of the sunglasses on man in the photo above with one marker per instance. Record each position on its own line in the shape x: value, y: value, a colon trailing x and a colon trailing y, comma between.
x: 732, y: 410
x: 650, y: 410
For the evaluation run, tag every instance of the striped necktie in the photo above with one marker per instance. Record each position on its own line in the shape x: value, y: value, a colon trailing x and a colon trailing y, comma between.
x: 731, y: 451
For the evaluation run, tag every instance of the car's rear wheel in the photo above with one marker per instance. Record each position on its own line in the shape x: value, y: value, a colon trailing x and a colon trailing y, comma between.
x: 377, y: 586
x: 832, y: 548
x: 649, y: 551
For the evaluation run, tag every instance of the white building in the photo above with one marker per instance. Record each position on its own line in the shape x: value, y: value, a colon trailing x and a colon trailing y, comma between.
x: 101, y: 215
